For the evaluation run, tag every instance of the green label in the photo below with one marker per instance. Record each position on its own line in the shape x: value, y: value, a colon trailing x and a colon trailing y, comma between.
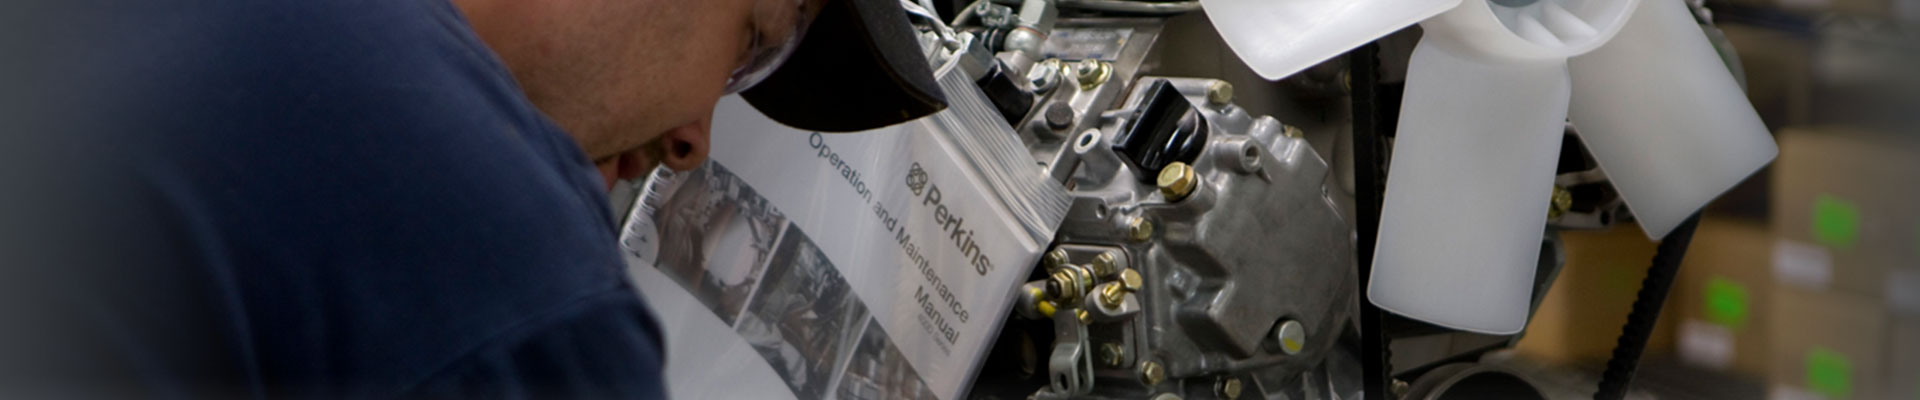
x: 1829, y: 373
x: 1836, y: 222
x: 1726, y: 302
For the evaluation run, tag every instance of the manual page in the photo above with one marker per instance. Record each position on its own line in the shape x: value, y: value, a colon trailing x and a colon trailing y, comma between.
x: 872, y: 265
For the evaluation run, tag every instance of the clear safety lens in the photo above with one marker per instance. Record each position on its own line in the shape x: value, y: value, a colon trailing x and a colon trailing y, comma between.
x: 777, y: 26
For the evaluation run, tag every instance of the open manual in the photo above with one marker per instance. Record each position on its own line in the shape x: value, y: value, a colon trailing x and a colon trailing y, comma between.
x: 872, y: 265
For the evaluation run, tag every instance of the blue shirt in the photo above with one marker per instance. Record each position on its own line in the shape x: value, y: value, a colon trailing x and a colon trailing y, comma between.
x: 276, y: 198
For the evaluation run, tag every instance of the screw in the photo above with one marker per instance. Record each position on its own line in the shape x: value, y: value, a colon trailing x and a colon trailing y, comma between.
x: 1399, y: 388
x: 1562, y: 201
x: 1219, y: 93
x: 1290, y: 336
x: 1151, y: 374
x: 1177, y: 181
x: 1112, y: 295
x: 1139, y: 229
x: 1292, y: 131
x: 1085, y: 317
x: 1104, y: 264
x: 1069, y: 283
x: 1044, y: 75
x: 1092, y: 73
x: 1228, y: 388
x: 1131, y: 280
x: 1112, y: 354
x: 1056, y: 258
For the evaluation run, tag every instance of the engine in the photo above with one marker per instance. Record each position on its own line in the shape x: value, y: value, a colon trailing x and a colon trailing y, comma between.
x: 1205, y: 253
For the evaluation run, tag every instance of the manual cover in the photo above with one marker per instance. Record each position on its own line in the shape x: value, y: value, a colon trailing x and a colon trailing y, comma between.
x: 872, y: 265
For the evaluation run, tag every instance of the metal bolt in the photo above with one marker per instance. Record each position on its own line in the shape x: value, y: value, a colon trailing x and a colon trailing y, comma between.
x: 1290, y: 336
x: 1056, y: 258
x: 1104, y: 264
x: 1085, y: 317
x: 1092, y: 73
x: 1228, y: 388
x: 1151, y: 374
x: 1131, y: 280
x: 1139, y: 229
x: 1562, y: 201
x: 1111, y: 354
x: 1068, y: 283
x: 1177, y: 181
x: 1044, y: 75
x: 1292, y: 131
x: 1112, y: 295
x: 1399, y: 388
x: 1219, y: 93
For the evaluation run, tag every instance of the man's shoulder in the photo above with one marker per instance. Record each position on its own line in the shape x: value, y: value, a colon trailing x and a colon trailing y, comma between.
x: 364, y: 194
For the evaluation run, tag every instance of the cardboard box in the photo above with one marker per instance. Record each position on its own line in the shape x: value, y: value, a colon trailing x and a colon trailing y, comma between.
x: 1579, y: 321
x: 1828, y: 344
x: 1847, y: 211
x: 1903, y: 367
x: 1722, y: 295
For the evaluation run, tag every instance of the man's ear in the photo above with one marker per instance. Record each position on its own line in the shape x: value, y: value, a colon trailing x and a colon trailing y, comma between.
x: 685, y: 147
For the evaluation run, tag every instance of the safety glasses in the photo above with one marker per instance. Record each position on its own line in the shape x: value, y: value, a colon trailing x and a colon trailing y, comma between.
x: 777, y: 27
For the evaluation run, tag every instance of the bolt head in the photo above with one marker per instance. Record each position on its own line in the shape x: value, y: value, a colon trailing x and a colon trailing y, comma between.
x: 1292, y: 131
x: 1056, y: 258
x: 1219, y: 93
x: 1111, y: 354
x: 1112, y: 295
x: 1131, y: 280
x: 1151, y: 374
x: 1092, y: 73
x: 1562, y: 202
x: 1177, y: 180
x: 1139, y: 229
x: 1105, y: 264
x: 1229, y: 388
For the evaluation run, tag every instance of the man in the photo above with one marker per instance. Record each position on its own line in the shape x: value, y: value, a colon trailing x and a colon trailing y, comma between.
x: 377, y: 198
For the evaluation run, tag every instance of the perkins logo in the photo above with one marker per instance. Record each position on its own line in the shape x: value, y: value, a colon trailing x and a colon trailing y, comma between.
x: 916, y: 179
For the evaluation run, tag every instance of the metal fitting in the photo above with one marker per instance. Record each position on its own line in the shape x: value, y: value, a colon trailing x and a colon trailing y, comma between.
x: 1131, y: 280
x: 1044, y: 75
x: 1290, y: 337
x: 1112, y: 295
x: 1092, y: 73
x: 1219, y: 93
x: 1151, y: 374
x: 1105, y: 264
x: 1561, y: 203
x: 1085, y: 317
x: 1111, y: 354
x: 1166, y: 396
x: 1068, y: 283
x: 1292, y: 131
x: 1056, y: 258
x: 1177, y: 180
x: 1139, y: 229
x: 1228, y: 388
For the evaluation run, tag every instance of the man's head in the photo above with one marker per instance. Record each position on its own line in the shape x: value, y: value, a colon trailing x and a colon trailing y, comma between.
x: 633, y: 81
